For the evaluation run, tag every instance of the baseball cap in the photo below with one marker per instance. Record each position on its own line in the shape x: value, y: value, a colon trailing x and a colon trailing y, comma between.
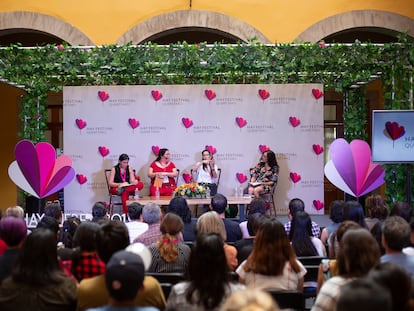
x: 142, y: 251
x: 124, y: 275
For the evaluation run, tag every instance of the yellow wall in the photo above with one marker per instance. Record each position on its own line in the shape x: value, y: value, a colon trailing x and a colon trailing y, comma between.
x: 104, y: 21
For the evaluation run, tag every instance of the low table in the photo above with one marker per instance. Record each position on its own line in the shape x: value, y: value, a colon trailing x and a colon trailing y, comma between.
x: 165, y: 200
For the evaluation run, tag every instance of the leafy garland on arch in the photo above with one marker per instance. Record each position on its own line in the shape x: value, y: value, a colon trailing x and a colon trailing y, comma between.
x: 338, y: 66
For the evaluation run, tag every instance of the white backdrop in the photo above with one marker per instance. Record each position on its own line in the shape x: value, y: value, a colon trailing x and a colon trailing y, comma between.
x: 235, y: 121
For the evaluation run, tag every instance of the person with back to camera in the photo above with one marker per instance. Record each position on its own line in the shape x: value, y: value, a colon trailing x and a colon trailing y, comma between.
x: 162, y: 172
x: 264, y: 176
x: 122, y: 180
x: 207, y: 171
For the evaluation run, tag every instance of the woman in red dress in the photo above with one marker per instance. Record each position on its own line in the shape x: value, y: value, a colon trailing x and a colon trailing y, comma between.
x: 163, y: 172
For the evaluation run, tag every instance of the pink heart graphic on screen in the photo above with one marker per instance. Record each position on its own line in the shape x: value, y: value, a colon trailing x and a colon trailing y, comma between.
x: 212, y: 149
x: 134, y: 123
x: 210, y: 94
x: 264, y: 94
x: 187, y: 178
x: 155, y: 150
x: 318, y: 205
x: 103, y: 151
x: 295, y: 177
x: 187, y: 122
x: 294, y: 121
x: 80, y: 123
x: 394, y: 130
x: 241, y: 177
x: 318, y: 149
x: 103, y: 95
x: 157, y: 95
x: 263, y: 148
x: 317, y: 93
x: 241, y: 122
x: 81, y: 179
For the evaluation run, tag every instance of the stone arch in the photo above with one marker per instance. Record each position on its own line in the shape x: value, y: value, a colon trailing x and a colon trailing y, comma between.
x: 192, y: 18
x: 44, y: 23
x: 355, y: 19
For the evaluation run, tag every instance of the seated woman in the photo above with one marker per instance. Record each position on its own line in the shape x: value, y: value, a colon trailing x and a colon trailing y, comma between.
x: 263, y: 177
x: 122, y: 180
x: 170, y: 254
x: 179, y: 206
x: 162, y: 173
x: 207, y: 171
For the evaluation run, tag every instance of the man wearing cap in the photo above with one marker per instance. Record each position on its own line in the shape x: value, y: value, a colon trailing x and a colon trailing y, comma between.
x: 112, y: 237
x: 124, y: 277
x: 135, y: 226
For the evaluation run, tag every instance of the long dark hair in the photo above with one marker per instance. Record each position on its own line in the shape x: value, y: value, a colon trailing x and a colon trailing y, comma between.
x: 179, y: 206
x: 208, y: 272
x: 37, y: 263
x: 161, y: 152
x: 271, y: 158
x: 300, y: 235
x: 205, y: 165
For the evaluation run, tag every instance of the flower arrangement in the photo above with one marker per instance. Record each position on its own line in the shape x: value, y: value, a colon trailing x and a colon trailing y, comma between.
x: 191, y: 190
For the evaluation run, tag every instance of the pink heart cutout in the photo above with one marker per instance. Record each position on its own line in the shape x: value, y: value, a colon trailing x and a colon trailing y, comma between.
x: 394, y: 130
x: 318, y: 149
x: 318, y: 205
x: 210, y: 94
x: 157, y: 95
x: 103, y: 151
x: 241, y: 122
x: 263, y: 148
x: 103, y: 95
x: 80, y: 123
x: 155, y: 150
x: 81, y: 179
x: 317, y: 93
x: 294, y: 121
x: 187, y: 122
x: 241, y: 177
x: 212, y: 149
x: 295, y: 177
x: 264, y: 94
x: 187, y: 177
x: 134, y: 123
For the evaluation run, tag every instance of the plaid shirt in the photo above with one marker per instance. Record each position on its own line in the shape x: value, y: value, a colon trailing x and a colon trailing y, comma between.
x: 150, y: 236
x: 316, y: 231
x: 88, y: 265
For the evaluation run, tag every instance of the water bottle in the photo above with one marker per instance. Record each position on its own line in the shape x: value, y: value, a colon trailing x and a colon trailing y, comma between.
x: 236, y: 191
x: 208, y: 193
x: 136, y: 195
x: 157, y: 193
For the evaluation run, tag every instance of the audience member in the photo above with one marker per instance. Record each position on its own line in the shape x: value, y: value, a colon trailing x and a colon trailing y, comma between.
x: 170, y: 254
x: 53, y: 209
x: 297, y: 205
x: 99, y: 212
x: 151, y: 214
x: 257, y: 205
x: 335, y: 214
x: 357, y: 255
x: 250, y: 300
x: 112, y: 237
x: 208, y: 282
x: 16, y: 211
x: 124, y: 278
x: 353, y: 211
x: 402, y: 209
x: 219, y: 204
x: 376, y: 210
x: 66, y: 233
x: 272, y: 265
x: 135, y: 226
x: 363, y: 295
x: 179, y: 206
x: 13, y: 232
x: 37, y: 280
x: 50, y: 223
x: 395, y: 236
x: 3, y: 245
x: 409, y: 249
x: 211, y: 222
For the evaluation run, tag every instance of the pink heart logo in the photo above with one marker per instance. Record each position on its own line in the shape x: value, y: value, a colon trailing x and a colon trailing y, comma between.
x: 210, y: 94
x: 155, y: 150
x: 212, y: 149
x: 187, y: 122
x: 317, y: 93
x: 134, y: 123
x: 38, y: 171
x: 394, y: 130
x: 80, y: 123
x: 294, y: 121
x: 318, y: 149
x: 318, y: 205
x: 187, y: 178
x: 241, y: 122
x: 264, y: 94
x: 103, y: 95
x: 81, y: 179
x: 295, y: 177
x: 157, y: 95
x: 241, y: 177
x: 263, y: 148
x: 103, y: 151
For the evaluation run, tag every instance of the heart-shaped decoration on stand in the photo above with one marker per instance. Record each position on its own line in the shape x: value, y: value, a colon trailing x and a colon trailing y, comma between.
x: 212, y: 149
x: 318, y: 149
x: 81, y: 124
x: 155, y: 150
x: 294, y: 121
x: 263, y: 94
x: 187, y: 178
x: 157, y: 95
x: 187, y: 122
x: 104, y: 151
x: 241, y: 177
x: 263, y: 148
x: 133, y: 123
x: 317, y: 93
x: 210, y: 94
x: 241, y: 122
x: 81, y: 179
x: 103, y: 96
x: 318, y: 205
x: 295, y: 177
